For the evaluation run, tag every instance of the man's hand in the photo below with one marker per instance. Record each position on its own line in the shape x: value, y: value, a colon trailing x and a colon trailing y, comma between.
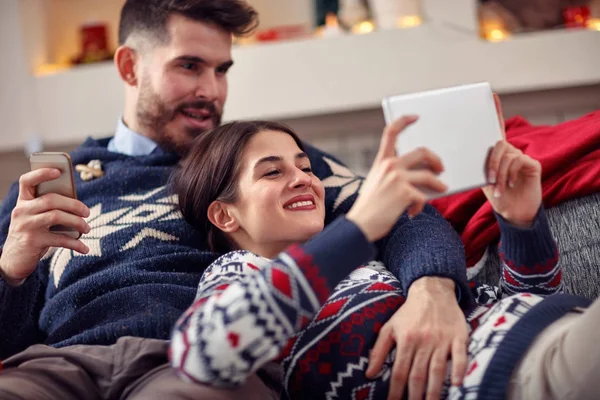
x: 427, y: 330
x: 29, y: 235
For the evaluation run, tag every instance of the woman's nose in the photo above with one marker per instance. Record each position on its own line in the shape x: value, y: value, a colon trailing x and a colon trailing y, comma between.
x: 301, y: 179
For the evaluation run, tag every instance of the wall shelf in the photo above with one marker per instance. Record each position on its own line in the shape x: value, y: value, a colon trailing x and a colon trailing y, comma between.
x: 324, y: 76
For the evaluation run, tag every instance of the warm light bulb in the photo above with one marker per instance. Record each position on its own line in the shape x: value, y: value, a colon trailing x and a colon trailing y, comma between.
x: 331, y: 27
x: 331, y: 20
x: 496, y: 35
x: 409, y: 21
x: 244, y: 40
x: 493, y: 30
x: 363, y: 27
x: 50, y: 69
x: 593, y: 23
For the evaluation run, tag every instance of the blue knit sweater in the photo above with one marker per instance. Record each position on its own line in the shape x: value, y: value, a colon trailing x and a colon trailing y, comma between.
x: 145, y: 262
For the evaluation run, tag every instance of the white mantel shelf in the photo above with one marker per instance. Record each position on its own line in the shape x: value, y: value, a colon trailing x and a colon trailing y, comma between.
x: 324, y: 76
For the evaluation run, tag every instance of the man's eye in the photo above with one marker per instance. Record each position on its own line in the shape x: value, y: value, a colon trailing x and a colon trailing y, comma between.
x: 222, y: 71
x: 189, y: 66
x: 308, y: 170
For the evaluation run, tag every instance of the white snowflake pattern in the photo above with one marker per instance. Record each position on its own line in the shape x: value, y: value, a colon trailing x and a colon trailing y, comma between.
x: 343, y: 177
x: 103, y: 224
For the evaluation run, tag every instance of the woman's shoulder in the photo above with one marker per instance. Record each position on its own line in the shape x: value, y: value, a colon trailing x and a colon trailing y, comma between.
x: 235, y: 266
x: 239, y: 259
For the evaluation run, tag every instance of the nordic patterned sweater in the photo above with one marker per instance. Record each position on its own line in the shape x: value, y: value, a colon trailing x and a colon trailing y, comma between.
x: 145, y: 262
x: 250, y: 311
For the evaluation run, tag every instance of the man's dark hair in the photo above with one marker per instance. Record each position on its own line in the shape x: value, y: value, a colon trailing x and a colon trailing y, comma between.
x: 151, y: 16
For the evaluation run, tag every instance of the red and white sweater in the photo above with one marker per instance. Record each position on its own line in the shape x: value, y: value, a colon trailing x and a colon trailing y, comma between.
x: 251, y: 311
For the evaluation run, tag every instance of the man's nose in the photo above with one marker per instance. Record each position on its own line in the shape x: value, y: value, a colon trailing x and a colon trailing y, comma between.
x: 207, y: 86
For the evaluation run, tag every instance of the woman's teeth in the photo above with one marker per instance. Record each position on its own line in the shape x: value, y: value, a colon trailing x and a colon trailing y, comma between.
x: 300, y: 204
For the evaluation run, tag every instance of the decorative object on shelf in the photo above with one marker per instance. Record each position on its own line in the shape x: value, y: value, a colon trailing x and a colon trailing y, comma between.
x: 594, y: 24
x: 576, y: 16
x: 354, y: 16
x: 594, y: 20
x: 94, y: 44
x: 363, y: 27
x: 535, y: 15
x: 92, y: 170
x: 331, y: 28
x: 323, y: 8
x: 284, y: 32
x: 495, y: 22
x: 352, y: 12
x: 392, y: 14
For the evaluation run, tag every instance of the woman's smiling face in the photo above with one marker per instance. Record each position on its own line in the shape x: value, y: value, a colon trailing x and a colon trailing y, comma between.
x: 280, y: 201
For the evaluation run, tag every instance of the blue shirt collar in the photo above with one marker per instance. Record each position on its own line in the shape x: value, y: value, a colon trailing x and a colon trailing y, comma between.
x: 129, y: 142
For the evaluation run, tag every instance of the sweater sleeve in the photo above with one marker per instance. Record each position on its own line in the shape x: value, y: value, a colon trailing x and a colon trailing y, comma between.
x: 244, y: 314
x: 529, y: 258
x: 19, y: 306
x: 426, y: 245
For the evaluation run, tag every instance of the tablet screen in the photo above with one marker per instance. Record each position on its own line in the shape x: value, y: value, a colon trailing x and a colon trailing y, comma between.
x: 459, y: 124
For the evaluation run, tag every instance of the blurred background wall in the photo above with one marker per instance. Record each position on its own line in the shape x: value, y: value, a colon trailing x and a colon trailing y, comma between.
x: 322, y: 66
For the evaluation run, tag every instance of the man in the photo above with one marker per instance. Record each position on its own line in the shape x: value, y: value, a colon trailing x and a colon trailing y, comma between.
x: 104, y: 305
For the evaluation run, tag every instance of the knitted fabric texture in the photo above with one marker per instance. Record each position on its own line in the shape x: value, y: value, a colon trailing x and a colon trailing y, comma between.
x: 145, y: 261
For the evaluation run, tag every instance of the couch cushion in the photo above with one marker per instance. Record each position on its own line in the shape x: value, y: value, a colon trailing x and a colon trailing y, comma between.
x: 575, y: 225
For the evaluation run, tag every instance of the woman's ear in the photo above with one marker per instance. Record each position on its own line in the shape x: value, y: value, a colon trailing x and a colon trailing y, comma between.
x: 125, y: 60
x: 220, y: 215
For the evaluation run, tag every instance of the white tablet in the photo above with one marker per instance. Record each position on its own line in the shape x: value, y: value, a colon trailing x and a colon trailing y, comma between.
x: 459, y: 124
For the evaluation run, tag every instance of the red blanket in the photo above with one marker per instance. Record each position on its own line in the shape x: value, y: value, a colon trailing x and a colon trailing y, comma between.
x: 570, y: 158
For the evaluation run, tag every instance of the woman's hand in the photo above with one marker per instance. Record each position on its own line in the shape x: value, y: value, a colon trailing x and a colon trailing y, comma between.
x: 516, y: 178
x: 395, y: 184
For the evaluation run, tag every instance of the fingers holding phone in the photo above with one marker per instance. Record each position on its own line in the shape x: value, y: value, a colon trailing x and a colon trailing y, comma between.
x: 47, y: 214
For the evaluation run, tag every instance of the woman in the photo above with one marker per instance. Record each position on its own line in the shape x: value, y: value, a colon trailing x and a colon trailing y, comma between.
x: 313, y: 308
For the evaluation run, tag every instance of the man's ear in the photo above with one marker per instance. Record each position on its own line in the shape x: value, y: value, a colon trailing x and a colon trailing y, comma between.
x: 221, y: 216
x: 125, y: 60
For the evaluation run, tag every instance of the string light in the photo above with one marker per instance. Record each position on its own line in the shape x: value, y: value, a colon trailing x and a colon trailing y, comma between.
x: 50, y: 69
x: 497, y: 35
x: 363, y: 27
x: 409, y: 21
x: 594, y: 24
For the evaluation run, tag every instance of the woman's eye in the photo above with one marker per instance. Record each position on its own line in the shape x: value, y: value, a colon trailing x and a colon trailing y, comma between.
x: 272, y: 173
x: 308, y: 170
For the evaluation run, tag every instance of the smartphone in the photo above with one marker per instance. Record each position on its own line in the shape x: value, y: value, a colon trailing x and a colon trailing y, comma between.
x: 63, y: 185
x: 459, y: 124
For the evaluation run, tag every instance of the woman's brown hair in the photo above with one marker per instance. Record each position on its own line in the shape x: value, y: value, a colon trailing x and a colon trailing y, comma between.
x: 210, y: 171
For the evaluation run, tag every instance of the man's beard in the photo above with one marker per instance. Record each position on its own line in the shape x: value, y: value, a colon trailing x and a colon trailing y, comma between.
x: 153, y: 115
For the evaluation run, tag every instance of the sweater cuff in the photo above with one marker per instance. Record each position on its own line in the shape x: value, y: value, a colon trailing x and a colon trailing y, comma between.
x: 20, y: 297
x: 464, y: 297
x: 339, y: 249
x: 527, y: 246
